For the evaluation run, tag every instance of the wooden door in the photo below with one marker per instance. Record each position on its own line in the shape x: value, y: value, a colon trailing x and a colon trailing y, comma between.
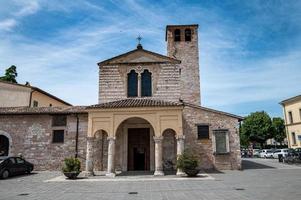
x: 138, y: 149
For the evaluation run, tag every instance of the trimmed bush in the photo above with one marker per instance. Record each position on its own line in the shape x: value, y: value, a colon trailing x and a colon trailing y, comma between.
x: 188, y: 163
x: 71, y: 165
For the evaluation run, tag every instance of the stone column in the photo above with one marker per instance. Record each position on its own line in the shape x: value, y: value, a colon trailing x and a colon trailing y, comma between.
x: 180, y: 150
x: 139, y: 85
x: 89, y: 157
x: 158, y: 156
x: 111, y: 157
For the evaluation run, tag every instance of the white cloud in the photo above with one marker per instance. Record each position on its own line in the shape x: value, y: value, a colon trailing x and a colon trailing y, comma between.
x: 65, y: 64
x: 7, y: 24
x: 27, y: 7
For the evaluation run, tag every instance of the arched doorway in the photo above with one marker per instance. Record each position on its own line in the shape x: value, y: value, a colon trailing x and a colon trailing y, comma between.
x: 100, y: 151
x: 5, y: 144
x: 134, y: 145
x: 169, y: 149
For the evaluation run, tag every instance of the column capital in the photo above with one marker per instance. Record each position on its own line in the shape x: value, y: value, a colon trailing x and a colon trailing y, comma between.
x: 111, y: 138
x: 158, y: 138
x: 180, y: 137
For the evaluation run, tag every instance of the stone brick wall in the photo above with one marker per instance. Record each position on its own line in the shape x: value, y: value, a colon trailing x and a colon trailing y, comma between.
x: 204, y: 148
x: 165, y: 81
x: 188, y: 53
x: 32, y: 137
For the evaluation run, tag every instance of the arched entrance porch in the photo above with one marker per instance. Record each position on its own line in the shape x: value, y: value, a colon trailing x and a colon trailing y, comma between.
x: 135, y: 136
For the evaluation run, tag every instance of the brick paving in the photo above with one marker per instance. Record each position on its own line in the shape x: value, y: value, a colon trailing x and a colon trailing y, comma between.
x: 262, y: 179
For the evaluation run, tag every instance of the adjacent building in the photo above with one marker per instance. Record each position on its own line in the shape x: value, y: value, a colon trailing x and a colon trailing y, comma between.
x: 13, y: 95
x: 149, y: 111
x: 292, y: 118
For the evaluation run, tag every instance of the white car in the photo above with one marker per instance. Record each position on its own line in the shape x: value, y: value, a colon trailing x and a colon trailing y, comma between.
x: 266, y: 153
x: 282, y: 152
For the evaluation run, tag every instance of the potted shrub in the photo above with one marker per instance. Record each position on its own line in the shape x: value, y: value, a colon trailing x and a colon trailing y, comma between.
x: 71, y: 167
x: 188, y: 163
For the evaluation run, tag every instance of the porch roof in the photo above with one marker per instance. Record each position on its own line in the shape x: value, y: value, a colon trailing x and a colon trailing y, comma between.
x: 42, y: 110
x: 136, y: 102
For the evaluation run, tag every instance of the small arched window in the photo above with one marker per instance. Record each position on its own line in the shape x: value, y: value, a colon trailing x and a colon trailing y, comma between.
x: 188, y: 35
x: 132, y: 84
x: 177, y: 34
x: 146, y: 84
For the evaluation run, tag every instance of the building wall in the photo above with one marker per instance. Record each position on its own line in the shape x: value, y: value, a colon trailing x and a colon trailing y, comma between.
x: 294, y: 107
x: 13, y: 95
x: 165, y: 81
x: 44, y: 100
x: 32, y: 137
x: 188, y: 53
x: 204, y: 148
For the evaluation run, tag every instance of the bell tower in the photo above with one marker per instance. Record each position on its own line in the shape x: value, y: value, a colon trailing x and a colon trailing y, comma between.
x: 182, y: 44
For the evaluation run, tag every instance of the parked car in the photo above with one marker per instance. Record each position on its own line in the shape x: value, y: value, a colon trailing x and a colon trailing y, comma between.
x: 266, y: 153
x: 256, y: 153
x: 283, y: 152
x: 14, y: 166
x: 293, y: 156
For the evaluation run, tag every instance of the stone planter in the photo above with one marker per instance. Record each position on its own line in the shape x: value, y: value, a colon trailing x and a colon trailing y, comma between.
x: 191, y: 172
x: 71, y: 175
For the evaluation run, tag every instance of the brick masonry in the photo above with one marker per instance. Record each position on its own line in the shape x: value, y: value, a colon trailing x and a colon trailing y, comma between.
x: 32, y: 137
x: 32, y: 134
x: 188, y: 53
x: 204, y: 148
x: 113, y: 81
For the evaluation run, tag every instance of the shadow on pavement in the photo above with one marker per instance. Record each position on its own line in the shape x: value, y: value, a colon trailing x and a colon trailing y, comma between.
x: 20, y: 176
x: 248, y: 164
x: 136, y: 173
x: 213, y: 171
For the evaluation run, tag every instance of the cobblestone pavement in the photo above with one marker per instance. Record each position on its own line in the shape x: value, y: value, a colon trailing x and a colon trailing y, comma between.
x: 261, y: 179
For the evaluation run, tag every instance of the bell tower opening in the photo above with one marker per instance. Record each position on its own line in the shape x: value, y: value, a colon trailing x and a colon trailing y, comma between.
x: 182, y: 44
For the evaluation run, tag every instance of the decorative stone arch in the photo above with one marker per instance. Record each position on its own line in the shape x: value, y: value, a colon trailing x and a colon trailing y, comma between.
x: 122, y: 149
x: 169, y: 149
x: 10, y: 142
x: 121, y: 118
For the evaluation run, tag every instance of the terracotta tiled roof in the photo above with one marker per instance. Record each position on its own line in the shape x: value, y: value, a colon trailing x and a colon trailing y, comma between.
x: 136, y: 102
x: 41, y: 110
x: 214, y: 111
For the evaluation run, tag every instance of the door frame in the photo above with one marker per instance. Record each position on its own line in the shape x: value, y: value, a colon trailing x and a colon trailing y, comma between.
x: 147, y: 152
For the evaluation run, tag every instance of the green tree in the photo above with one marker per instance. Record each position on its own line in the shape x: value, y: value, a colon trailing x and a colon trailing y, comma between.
x: 257, y: 127
x: 244, y: 140
x: 278, y: 129
x: 10, y: 74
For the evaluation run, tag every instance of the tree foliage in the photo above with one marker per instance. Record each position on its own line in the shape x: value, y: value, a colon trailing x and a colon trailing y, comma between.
x: 244, y: 140
x: 257, y: 127
x: 10, y: 74
x: 278, y: 129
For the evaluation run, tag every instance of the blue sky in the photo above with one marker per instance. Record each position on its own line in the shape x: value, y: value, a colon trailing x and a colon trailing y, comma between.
x: 250, y: 51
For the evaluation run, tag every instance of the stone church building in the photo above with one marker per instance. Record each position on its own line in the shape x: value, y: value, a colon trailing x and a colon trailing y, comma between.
x: 149, y: 111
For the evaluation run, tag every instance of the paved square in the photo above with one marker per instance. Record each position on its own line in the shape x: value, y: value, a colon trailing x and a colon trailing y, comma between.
x: 261, y: 179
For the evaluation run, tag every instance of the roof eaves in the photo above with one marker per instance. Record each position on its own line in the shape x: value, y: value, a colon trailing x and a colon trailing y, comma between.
x: 213, y: 110
x: 107, y: 62
x: 290, y: 99
x: 49, y: 95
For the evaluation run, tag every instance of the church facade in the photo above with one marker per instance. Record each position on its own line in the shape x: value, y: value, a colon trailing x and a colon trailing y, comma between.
x: 149, y: 111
